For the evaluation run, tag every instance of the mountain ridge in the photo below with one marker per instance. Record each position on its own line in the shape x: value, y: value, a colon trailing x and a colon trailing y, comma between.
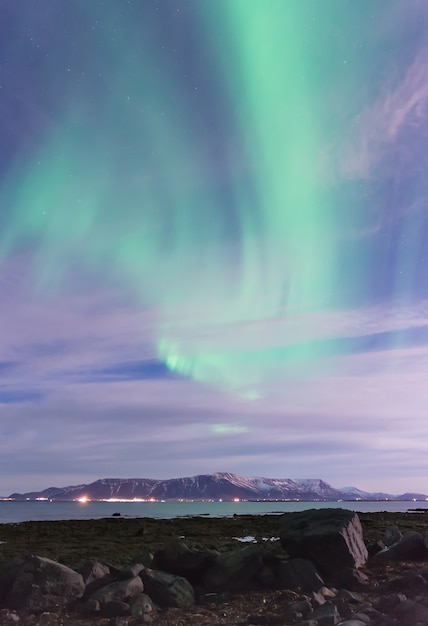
x: 218, y: 486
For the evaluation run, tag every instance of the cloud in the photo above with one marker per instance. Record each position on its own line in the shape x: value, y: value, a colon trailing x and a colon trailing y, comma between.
x: 387, y: 135
x: 87, y: 335
x: 85, y: 397
x: 325, y: 426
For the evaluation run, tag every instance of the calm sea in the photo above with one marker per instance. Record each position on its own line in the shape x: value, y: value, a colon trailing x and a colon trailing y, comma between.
x: 33, y: 511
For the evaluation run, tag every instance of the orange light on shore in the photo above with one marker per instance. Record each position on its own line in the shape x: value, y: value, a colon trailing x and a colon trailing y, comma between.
x: 83, y: 499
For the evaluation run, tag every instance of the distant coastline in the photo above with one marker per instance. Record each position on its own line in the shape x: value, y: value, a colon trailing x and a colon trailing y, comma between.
x: 218, y: 487
x: 17, y: 511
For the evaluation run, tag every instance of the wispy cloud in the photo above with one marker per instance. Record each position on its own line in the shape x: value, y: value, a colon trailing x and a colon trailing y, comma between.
x: 384, y: 134
x: 76, y: 338
x: 344, y: 425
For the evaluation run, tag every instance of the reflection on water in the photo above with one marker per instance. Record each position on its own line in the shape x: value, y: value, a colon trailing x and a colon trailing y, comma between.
x: 32, y: 511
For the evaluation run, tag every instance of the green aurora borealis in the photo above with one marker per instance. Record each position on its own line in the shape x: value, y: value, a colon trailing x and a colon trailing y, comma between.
x: 214, y: 240
x: 125, y: 190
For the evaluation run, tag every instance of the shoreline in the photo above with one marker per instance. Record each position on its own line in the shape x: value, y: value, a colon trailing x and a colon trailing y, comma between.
x: 117, y: 539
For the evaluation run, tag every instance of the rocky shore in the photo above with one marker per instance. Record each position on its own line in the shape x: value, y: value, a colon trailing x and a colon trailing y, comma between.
x: 314, y: 568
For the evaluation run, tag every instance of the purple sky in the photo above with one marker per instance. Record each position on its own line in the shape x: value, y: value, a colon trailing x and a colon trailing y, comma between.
x: 213, y: 243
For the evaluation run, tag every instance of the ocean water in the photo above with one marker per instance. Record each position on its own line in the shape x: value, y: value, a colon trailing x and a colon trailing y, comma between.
x: 11, y: 511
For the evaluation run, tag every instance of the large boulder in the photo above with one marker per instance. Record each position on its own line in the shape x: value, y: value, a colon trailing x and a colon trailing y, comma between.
x: 177, y: 558
x: 167, y: 590
x: 410, y: 547
x: 234, y: 570
x: 119, y: 591
x: 330, y: 538
x: 299, y: 574
x: 41, y: 584
x: 410, y: 612
x: 8, y: 573
x: 410, y: 582
x: 95, y: 575
x: 391, y: 535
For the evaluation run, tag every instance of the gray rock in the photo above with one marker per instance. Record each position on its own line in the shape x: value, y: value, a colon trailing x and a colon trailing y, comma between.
x: 375, y: 547
x: 411, y: 613
x: 9, y: 618
x: 409, y: 582
x: 8, y: 573
x: 266, y: 577
x: 115, y: 608
x: 326, y: 615
x: 131, y: 571
x: 373, y: 614
x: 95, y: 575
x: 145, y: 559
x: 40, y: 584
x: 234, y: 570
x: 302, y: 606
x: 168, y: 590
x: 176, y: 557
x: 411, y: 547
x: 353, y: 622
x: 141, y: 605
x: 327, y: 592
x: 330, y: 538
x: 88, y: 607
x: 350, y: 596
x: 119, y: 591
x: 361, y: 617
x: 391, y: 535
x: 350, y: 578
x: 343, y: 607
x: 94, y: 570
x: 388, y: 602
x: 289, y: 614
x: 423, y: 571
x: 299, y: 574
x: 317, y: 599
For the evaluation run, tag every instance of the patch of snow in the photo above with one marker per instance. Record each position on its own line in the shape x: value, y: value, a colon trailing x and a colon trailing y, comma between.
x: 247, y: 539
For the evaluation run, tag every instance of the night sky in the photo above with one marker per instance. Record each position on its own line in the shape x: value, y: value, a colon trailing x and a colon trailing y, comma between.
x: 214, y: 240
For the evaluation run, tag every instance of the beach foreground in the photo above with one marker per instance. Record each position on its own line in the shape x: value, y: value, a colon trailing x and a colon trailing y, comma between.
x: 118, y: 542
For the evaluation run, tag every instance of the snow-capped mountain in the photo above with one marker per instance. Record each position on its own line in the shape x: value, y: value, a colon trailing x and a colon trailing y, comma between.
x: 219, y: 486
x: 363, y: 495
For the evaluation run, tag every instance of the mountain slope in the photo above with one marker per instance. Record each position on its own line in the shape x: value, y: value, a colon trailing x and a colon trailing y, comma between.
x: 363, y: 495
x: 219, y: 486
